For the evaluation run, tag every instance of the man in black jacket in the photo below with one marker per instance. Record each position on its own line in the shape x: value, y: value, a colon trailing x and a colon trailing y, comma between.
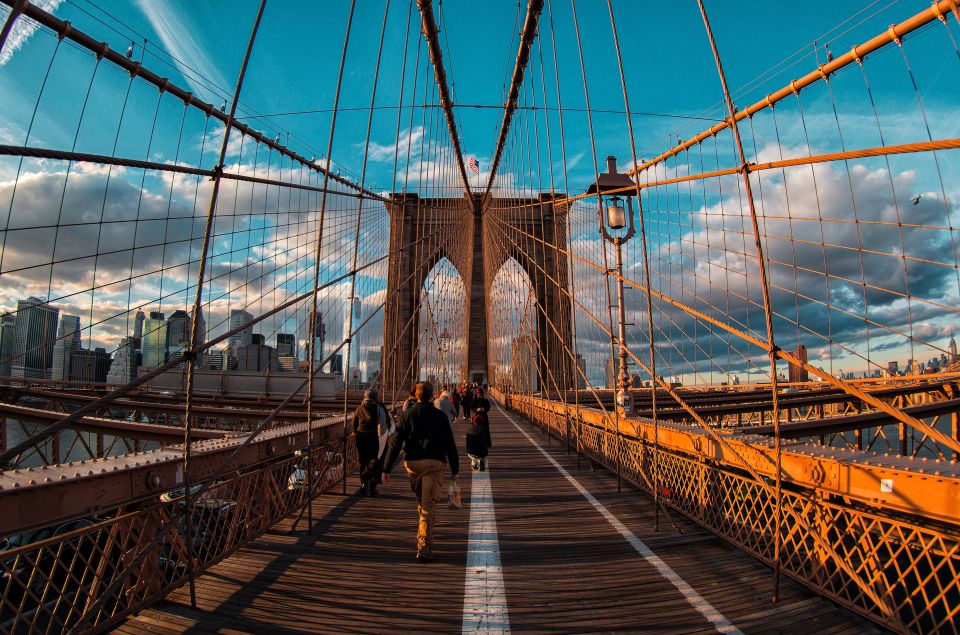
x: 427, y: 441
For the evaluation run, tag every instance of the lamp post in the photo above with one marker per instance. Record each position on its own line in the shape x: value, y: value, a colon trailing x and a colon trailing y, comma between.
x: 617, y: 219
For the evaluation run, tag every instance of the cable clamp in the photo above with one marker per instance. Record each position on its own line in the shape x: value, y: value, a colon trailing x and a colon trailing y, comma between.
x: 935, y: 7
x: 892, y: 32
x: 823, y: 74
x: 217, y: 172
x: 856, y: 55
x: 793, y: 87
x: 770, y: 103
x: 67, y: 30
x: 104, y: 47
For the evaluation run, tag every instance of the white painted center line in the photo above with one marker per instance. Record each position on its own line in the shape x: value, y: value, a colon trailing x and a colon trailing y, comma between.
x: 484, y: 597
x: 715, y: 617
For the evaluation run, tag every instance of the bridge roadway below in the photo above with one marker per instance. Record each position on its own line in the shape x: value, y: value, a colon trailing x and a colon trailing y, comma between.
x: 567, y: 564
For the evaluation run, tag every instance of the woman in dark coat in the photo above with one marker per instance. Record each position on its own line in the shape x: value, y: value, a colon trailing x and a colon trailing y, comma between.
x: 367, y: 421
x: 478, y: 440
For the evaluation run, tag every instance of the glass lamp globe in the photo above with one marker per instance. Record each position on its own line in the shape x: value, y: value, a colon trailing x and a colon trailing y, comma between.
x: 616, y: 217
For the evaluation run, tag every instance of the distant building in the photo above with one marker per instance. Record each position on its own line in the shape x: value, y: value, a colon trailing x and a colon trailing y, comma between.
x: 154, y: 343
x: 90, y: 366
x: 893, y: 368
x: 35, y: 332
x: 288, y: 364
x: 523, y: 367
x: 138, y: 327
x: 124, y: 367
x: 286, y: 345
x: 238, y: 317
x: 215, y: 359
x: 799, y: 373
x: 374, y: 360
x: 68, y: 341
x: 256, y: 356
x: 315, y: 341
x: 580, y: 380
x: 953, y: 351
x: 351, y: 320
x: 336, y: 364
x: 610, y: 373
x: 178, y: 331
x: 8, y: 325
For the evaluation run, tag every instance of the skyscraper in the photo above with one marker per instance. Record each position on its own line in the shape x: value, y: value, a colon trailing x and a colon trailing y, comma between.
x: 256, y: 356
x: 154, y: 343
x: 799, y: 373
x: 374, y: 359
x: 351, y: 320
x: 611, y: 373
x: 178, y: 331
x: 953, y: 350
x: 316, y: 340
x: 286, y: 344
x: 8, y: 325
x: 90, y: 366
x: 138, y: 327
x: 124, y: 367
x: 35, y: 332
x: 68, y: 342
x: 245, y: 337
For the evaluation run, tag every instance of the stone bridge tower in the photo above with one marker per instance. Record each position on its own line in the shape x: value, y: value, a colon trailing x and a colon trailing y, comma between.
x: 460, y: 230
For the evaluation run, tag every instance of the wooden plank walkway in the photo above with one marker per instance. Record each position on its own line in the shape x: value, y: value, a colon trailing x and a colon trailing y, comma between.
x: 566, y: 568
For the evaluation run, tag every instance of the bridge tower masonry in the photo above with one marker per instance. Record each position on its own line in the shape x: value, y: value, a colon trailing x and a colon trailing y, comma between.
x: 460, y: 230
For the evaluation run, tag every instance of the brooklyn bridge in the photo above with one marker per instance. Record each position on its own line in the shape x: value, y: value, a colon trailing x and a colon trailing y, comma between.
x: 701, y: 260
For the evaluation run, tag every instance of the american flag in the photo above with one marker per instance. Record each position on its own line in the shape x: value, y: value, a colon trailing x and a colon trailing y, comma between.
x: 473, y: 165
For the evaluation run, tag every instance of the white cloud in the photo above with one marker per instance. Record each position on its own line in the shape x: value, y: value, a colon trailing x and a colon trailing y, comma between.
x: 23, y: 29
x: 183, y: 44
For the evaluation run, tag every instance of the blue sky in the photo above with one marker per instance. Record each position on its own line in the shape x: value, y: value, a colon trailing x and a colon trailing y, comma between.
x: 667, y: 60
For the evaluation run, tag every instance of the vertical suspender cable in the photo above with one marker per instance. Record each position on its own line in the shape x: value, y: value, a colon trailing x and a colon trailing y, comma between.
x: 646, y: 270
x: 198, y: 299
x: 767, y: 309
x: 312, y: 319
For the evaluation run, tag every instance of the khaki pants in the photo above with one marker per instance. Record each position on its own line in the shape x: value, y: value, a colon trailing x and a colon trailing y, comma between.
x: 426, y: 479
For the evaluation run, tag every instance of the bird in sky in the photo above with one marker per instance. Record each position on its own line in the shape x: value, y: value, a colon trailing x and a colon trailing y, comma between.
x: 916, y: 199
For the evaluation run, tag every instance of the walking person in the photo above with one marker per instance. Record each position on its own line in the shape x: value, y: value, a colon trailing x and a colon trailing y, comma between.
x: 445, y: 406
x: 424, y: 435
x: 481, y: 402
x: 370, y: 420
x: 466, y: 400
x: 478, y: 440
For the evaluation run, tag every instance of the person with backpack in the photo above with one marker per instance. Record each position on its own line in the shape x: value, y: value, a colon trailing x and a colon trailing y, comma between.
x: 478, y: 440
x: 370, y: 421
x: 426, y: 439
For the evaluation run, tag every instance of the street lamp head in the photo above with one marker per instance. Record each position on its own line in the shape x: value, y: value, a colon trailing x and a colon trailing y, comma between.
x: 616, y: 187
x: 616, y: 216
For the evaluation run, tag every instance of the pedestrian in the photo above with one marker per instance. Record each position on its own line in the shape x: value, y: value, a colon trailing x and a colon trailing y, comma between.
x: 478, y: 440
x: 445, y: 406
x: 370, y: 421
x: 424, y: 435
x: 481, y: 402
x: 466, y: 401
x: 410, y: 402
x: 455, y: 400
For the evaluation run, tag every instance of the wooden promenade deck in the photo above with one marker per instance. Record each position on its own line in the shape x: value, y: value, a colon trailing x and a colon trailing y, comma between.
x: 566, y: 567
